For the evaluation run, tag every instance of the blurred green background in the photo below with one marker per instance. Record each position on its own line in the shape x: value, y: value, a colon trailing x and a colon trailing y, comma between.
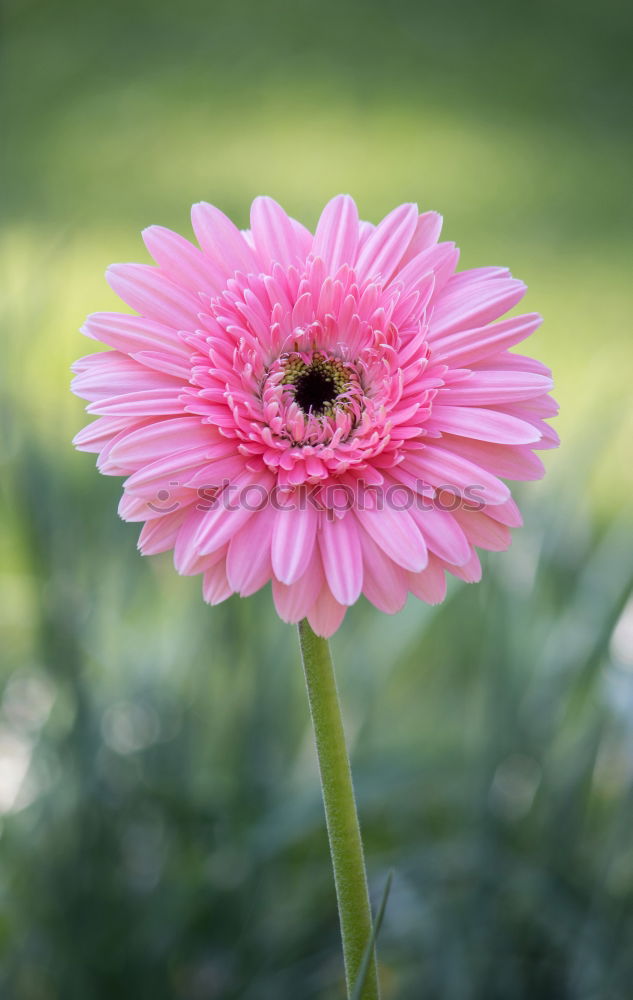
x: 161, y: 829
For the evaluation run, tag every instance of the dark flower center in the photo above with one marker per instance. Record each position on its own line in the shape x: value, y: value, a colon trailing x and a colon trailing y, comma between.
x: 314, y: 389
x: 317, y: 385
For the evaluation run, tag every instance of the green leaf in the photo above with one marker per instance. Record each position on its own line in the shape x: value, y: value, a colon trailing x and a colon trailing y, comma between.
x: 369, y: 950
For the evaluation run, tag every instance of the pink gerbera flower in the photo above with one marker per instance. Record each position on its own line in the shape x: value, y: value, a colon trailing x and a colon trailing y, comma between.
x: 334, y: 413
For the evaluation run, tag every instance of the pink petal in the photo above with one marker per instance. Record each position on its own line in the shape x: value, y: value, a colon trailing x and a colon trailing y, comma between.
x: 182, y: 262
x: 133, y: 333
x: 162, y: 437
x: 229, y: 514
x: 467, y: 346
x: 549, y: 437
x: 188, y: 560
x: 397, y: 534
x: 440, y: 260
x: 386, y: 246
x: 216, y: 587
x: 293, y: 538
x: 442, y: 534
x: 494, y: 387
x: 470, y: 572
x: 474, y: 306
x: 509, y: 361
x: 336, y: 237
x: 326, y: 614
x: 303, y: 238
x: 110, y: 373
x: 166, y: 363
x: 97, y: 434
x: 152, y: 294
x: 384, y: 582
x: 133, y: 508
x: 294, y: 601
x: 508, y: 513
x: 274, y: 234
x: 516, y: 462
x: 248, y: 564
x: 341, y: 552
x: 222, y: 241
x: 167, y: 473
x: 528, y: 409
x: 474, y: 276
x: 446, y: 470
x: 160, y: 534
x: 147, y: 403
x: 427, y: 233
x: 429, y: 585
x: 365, y: 229
x: 482, y: 424
x: 484, y: 531
x: 221, y: 466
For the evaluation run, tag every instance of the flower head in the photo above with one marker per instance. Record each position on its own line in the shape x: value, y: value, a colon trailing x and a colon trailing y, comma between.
x: 335, y: 413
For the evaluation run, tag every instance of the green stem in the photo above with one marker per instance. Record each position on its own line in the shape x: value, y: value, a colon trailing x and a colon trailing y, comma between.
x: 346, y: 847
